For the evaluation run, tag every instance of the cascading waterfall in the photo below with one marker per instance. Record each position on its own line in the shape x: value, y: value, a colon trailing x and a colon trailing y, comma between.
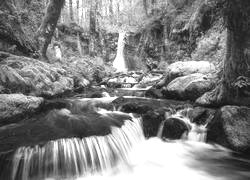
x: 126, y: 154
x: 119, y: 62
x: 75, y: 157
x: 196, y: 132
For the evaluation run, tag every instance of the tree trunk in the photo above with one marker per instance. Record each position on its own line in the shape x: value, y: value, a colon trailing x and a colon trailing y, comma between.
x: 238, y: 47
x: 92, y: 27
x: 77, y: 12
x: 235, y: 84
x: 48, y: 26
x: 79, y: 46
x: 83, y: 14
x: 145, y: 6
x: 71, y: 15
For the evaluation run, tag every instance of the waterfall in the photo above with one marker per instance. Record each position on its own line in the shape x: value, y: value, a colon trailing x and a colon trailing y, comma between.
x: 77, y: 157
x: 126, y: 154
x: 119, y: 62
x: 195, y: 133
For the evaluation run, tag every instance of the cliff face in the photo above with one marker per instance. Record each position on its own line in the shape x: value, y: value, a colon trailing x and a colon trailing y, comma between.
x: 160, y: 33
x: 12, y: 35
x: 190, y: 30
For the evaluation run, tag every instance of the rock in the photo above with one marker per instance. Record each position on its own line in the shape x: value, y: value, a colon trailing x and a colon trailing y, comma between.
x: 32, y: 77
x: 207, y: 99
x: 174, y: 128
x: 3, y: 90
x: 188, y: 87
x: 151, y: 79
x: 142, y: 105
x: 138, y: 92
x: 57, y: 124
x: 231, y: 128
x: 122, y: 82
x: 152, y: 120
x: 13, y: 107
x: 201, y: 115
x: 184, y: 68
x: 154, y: 93
x: 152, y: 111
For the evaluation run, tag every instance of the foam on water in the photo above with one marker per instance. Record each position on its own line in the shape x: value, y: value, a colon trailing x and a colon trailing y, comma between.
x: 178, y: 160
x: 126, y: 154
x: 74, y: 157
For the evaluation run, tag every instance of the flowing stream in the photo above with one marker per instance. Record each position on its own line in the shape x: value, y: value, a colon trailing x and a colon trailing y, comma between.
x: 125, y: 153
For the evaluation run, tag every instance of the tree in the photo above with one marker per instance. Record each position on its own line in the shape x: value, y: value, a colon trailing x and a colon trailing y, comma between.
x: 145, y: 6
x: 235, y: 83
x: 48, y: 26
x: 71, y: 11
x: 92, y: 27
x: 77, y: 11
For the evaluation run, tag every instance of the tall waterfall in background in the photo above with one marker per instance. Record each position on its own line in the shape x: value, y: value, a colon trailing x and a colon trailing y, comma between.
x: 119, y: 62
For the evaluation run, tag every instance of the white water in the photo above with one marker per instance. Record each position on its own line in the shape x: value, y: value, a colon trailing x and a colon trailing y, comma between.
x: 75, y: 157
x: 196, y: 133
x: 119, y: 63
x: 126, y: 154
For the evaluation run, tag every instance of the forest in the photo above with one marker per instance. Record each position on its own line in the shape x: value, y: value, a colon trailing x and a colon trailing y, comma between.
x: 115, y: 89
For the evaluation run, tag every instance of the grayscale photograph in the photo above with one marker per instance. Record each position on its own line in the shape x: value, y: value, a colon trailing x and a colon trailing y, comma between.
x: 124, y: 89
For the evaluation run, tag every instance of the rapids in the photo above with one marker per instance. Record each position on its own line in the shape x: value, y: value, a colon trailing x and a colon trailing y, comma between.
x: 127, y: 154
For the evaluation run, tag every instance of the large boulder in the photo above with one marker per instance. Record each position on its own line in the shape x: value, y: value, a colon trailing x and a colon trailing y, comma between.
x: 33, y: 77
x: 13, y: 107
x: 152, y: 111
x: 174, y: 128
x: 201, y: 115
x: 184, y: 68
x: 231, y: 128
x: 188, y: 87
x: 57, y: 124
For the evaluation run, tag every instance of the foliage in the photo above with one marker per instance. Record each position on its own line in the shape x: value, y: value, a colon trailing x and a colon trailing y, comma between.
x: 242, y: 82
x: 12, y: 32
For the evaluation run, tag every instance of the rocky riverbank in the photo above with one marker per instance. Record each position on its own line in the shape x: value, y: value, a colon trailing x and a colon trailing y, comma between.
x: 26, y: 84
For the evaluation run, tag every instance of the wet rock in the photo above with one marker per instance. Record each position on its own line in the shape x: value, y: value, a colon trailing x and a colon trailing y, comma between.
x: 200, y: 115
x: 154, y: 93
x: 152, y: 120
x: 231, y: 128
x: 13, y: 107
x: 150, y: 79
x: 136, y: 107
x: 141, y: 105
x: 57, y: 124
x: 122, y: 82
x: 174, y: 128
x: 32, y: 77
x: 152, y: 111
x: 188, y: 87
x: 138, y: 92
